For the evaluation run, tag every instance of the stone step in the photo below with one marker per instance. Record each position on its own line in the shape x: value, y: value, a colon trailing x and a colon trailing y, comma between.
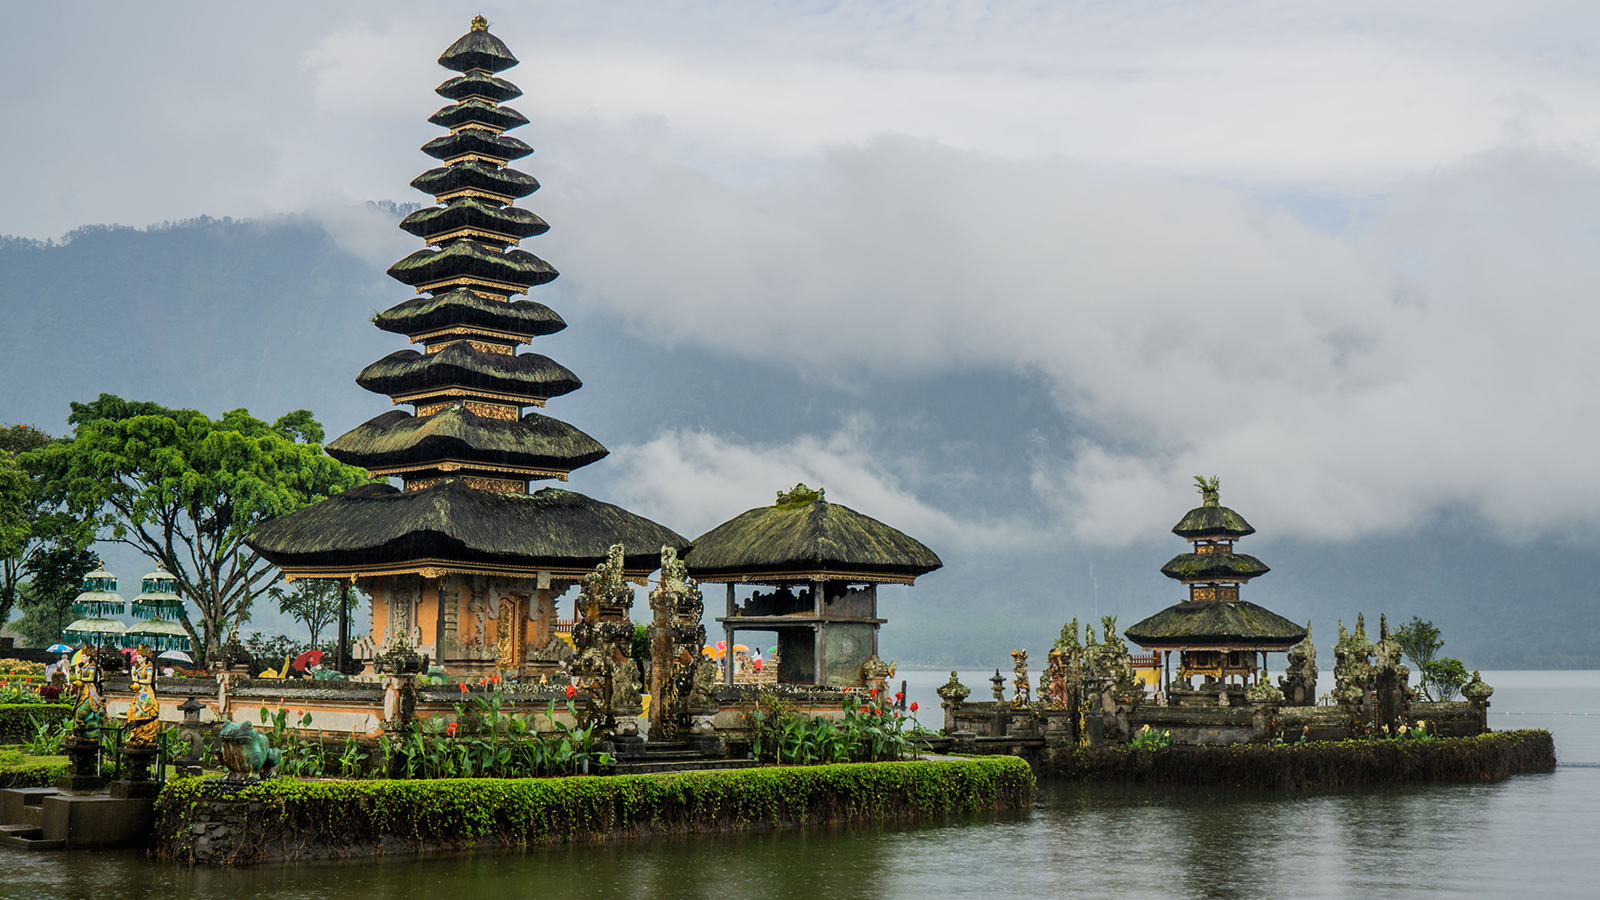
x: 660, y: 755
x: 28, y: 837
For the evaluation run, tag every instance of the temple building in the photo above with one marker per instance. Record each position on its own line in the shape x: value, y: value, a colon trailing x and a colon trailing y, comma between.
x: 463, y: 562
x: 1217, y: 636
x: 823, y: 563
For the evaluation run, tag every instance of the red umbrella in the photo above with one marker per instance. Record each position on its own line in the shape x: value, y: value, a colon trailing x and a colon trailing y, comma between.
x: 307, y: 659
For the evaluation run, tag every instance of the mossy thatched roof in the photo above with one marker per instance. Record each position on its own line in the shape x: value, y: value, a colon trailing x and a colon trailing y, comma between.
x: 398, y: 438
x: 465, y: 307
x: 468, y: 258
x: 1214, y: 567
x: 477, y: 49
x: 1225, y: 622
x: 477, y: 84
x: 476, y: 140
x: 802, y: 541
x: 1212, y: 522
x: 470, y: 212
x: 502, y: 117
x: 375, y: 529
x: 478, y: 175
x: 462, y: 365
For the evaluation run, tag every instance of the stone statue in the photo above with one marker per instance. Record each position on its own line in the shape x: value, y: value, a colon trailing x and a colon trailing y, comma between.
x: 1352, y: 669
x: 247, y: 753
x: 702, y: 696
x: 1299, y: 686
x: 1114, y: 664
x: 875, y: 672
x: 1021, y: 693
x: 142, y: 725
x: 1390, y: 680
x: 625, y: 686
x: 603, y: 627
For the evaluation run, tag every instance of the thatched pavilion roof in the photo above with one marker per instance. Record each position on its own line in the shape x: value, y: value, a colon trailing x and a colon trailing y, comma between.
x: 1225, y: 623
x: 376, y: 529
x: 1214, y: 567
x: 804, y: 537
x: 1212, y: 522
x: 398, y: 438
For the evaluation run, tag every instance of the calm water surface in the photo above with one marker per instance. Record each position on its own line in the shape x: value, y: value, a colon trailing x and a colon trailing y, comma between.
x: 1536, y: 835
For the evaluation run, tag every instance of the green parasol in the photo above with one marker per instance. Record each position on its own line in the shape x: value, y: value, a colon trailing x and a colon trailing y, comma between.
x: 95, y: 629
x: 160, y: 599
x: 99, y: 597
x: 158, y: 633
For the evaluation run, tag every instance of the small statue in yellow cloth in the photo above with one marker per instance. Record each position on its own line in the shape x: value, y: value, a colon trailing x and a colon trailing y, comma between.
x: 87, y: 708
x: 143, y: 722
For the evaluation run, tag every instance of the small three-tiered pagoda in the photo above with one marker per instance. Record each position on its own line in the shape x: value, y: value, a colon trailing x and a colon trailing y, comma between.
x: 463, y: 562
x: 1216, y: 635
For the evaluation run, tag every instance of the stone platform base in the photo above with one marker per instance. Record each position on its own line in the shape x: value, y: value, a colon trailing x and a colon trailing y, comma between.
x: 44, y: 819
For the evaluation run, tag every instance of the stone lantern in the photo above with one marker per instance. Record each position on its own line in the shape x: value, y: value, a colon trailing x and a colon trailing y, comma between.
x: 189, y: 733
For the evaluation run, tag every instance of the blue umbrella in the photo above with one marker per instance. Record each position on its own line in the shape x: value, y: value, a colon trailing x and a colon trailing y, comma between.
x: 58, y: 648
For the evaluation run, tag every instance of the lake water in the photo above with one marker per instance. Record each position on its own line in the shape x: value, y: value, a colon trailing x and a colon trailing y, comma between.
x: 1534, y: 835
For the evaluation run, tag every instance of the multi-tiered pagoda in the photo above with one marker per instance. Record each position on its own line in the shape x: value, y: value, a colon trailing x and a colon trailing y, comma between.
x: 1217, y: 636
x: 462, y: 562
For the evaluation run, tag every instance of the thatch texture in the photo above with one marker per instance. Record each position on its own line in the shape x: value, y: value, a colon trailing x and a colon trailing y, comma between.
x: 478, y: 176
x: 467, y: 308
x: 398, y: 438
x: 472, y: 259
x: 814, y: 538
x: 477, y: 50
x: 376, y: 528
x: 1212, y: 522
x: 1226, y: 622
x: 1214, y: 567
x: 462, y: 365
x: 476, y: 140
x: 503, y: 117
x: 478, y: 85
x: 470, y: 212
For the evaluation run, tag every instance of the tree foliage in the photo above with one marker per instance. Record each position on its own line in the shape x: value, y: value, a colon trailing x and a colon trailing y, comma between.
x: 1441, y: 677
x: 314, y: 603
x: 46, y: 600
x: 30, y: 520
x: 185, y: 489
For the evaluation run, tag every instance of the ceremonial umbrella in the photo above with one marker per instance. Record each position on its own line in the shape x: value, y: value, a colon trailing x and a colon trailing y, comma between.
x: 96, y: 629
x: 159, y: 634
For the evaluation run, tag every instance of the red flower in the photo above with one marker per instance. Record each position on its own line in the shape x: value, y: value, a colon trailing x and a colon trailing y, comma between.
x: 451, y: 729
x: 913, y: 706
x: 483, y: 682
x: 495, y: 678
x: 898, y: 696
x: 873, y: 692
x: 463, y: 687
x: 571, y: 691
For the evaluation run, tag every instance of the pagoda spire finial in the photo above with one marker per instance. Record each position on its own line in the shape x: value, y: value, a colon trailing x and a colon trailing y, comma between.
x: 479, y: 23
x: 1210, y: 490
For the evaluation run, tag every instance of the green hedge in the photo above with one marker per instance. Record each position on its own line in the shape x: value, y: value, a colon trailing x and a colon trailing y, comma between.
x: 17, y: 770
x: 349, y: 818
x: 16, y: 719
x: 1484, y: 757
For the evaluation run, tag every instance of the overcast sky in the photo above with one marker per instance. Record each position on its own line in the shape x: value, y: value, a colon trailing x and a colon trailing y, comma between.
x: 1343, y: 257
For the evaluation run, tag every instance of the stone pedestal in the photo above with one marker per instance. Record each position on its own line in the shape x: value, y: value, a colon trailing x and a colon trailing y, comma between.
x: 84, y: 775
x: 136, y: 781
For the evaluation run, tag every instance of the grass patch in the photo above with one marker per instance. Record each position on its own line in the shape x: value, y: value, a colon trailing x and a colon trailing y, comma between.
x: 350, y: 818
x: 1484, y: 757
x: 18, y: 769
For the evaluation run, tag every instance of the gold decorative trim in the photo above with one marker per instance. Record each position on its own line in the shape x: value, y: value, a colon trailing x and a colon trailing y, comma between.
x: 479, y: 126
x: 461, y: 465
x: 478, y: 157
x: 489, y: 100
x: 432, y: 393
x: 425, y: 336
x: 486, y: 410
x: 436, y: 239
x: 503, y: 199
x: 490, y: 485
x: 439, y: 568
x: 480, y: 346
x: 468, y: 280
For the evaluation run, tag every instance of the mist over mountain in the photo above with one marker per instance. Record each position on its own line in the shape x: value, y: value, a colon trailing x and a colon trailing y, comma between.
x: 272, y: 315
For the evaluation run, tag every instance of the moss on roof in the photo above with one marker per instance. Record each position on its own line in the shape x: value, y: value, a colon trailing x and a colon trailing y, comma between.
x: 476, y: 140
x: 477, y: 49
x: 460, y: 364
x: 470, y: 212
x: 1218, y: 566
x: 398, y: 438
x: 376, y: 525
x: 800, y: 537
x: 467, y: 258
x: 1220, y: 622
x: 479, y: 175
x: 465, y: 307
x: 478, y: 85
x: 1212, y: 522
x: 503, y: 117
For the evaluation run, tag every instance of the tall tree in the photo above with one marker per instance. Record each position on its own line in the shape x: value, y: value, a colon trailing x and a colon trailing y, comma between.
x: 24, y: 513
x: 314, y: 602
x: 185, y: 489
x: 46, y: 599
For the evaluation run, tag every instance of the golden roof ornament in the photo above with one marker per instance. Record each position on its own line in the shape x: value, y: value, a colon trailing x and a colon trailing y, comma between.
x: 479, y: 23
